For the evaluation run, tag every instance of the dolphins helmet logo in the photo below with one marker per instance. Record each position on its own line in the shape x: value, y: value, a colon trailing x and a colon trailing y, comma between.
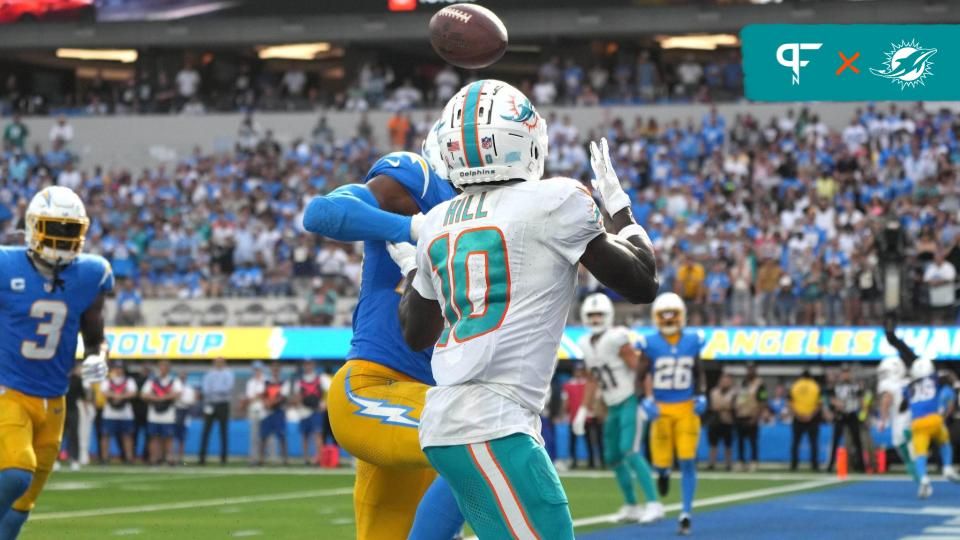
x: 907, y: 64
x: 523, y: 113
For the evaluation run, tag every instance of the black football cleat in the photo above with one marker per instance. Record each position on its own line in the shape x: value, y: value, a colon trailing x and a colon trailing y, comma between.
x: 663, y: 484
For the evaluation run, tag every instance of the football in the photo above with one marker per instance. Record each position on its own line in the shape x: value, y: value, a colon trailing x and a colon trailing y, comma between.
x: 468, y: 36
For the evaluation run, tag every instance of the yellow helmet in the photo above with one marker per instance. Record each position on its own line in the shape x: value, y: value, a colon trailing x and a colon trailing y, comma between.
x: 669, y: 313
x: 56, y: 225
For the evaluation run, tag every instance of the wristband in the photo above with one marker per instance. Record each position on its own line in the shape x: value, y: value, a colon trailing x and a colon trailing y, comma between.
x: 632, y: 230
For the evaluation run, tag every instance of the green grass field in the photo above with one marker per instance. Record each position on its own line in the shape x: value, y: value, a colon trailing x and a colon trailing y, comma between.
x: 186, y: 503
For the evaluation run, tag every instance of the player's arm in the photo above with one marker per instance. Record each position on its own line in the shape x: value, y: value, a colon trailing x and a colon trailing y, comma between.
x: 904, y: 350
x: 420, y: 317
x: 885, y: 401
x: 590, y: 392
x: 92, y: 326
x: 630, y: 356
x: 699, y: 377
x: 377, y: 210
x: 94, y: 366
x: 624, y: 262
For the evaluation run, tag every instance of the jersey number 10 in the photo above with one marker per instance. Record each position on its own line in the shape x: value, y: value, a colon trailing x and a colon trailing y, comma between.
x: 469, y: 315
x: 673, y: 373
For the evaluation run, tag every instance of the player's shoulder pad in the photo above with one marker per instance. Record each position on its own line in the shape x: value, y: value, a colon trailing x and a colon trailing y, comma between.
x: 553, y: 192
x: 621, y: 333
x: 8, y: 256
x: 96, y: 269
x: 641, y: 341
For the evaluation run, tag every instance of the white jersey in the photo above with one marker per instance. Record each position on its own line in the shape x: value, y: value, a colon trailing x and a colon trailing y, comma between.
x: 502, y: 264
x: 602, y: 357
x: 899, y: 420
x: 162, y: 412
x: 126, y: 411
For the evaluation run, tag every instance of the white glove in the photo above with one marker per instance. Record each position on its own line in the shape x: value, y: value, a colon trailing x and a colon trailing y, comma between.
x: 606, y: 181
x: 578, y: 426
x: 404, y: 254
x: 416, y: 221
x: 94, y: 368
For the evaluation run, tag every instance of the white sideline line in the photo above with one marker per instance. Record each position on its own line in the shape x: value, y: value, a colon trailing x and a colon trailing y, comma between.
x: 186, y: 505
x: 724, y: 499
x: 720, y: 499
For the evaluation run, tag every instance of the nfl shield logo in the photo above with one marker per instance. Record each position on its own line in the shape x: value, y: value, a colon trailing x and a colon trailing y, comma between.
x: 486, y: 142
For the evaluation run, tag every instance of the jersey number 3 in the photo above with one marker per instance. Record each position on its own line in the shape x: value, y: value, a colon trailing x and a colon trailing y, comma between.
x: 52, y: 314
x: 673, y: 373
x: 474, y: 282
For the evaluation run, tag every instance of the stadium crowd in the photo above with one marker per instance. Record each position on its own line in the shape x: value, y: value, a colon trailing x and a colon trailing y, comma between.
x: 615, y: 75
x: 784, y: 222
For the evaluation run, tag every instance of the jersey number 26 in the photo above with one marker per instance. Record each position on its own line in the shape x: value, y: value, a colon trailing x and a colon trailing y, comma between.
x: 673, y: 373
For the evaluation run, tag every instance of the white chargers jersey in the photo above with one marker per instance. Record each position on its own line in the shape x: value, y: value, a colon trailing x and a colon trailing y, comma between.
x: 502, y: 263
x: 602, y: 357
x: 899, y: 420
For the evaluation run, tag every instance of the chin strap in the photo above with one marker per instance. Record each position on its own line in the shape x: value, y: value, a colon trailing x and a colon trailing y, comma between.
x: 55, y: 281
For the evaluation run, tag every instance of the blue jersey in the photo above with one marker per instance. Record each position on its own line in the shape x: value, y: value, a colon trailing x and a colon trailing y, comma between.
x: 923, y: 397
x: 40, y: 324
x: 376, y: 323
x: 672, y: 366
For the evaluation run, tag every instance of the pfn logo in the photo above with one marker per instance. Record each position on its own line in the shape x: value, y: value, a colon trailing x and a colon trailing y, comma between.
x: 794, y: 62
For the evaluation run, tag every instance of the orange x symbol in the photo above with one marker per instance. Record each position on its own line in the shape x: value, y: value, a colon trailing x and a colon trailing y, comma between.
x: 848, y: 63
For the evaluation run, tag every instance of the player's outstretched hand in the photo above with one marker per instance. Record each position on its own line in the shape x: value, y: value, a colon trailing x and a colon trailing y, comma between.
x: 94, y: 368
x: 404, y: 254
x: 649, y: 407
x: 606, y: 181
x: 700, y: 405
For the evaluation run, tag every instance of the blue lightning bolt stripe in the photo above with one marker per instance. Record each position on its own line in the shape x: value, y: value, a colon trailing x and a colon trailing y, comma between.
x: 387, y: 413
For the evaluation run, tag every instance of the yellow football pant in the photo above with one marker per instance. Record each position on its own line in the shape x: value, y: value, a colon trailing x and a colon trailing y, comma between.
x: 676, y: 429
x: 927, y: 429
x: 375, y: 412
x: 31, y: 429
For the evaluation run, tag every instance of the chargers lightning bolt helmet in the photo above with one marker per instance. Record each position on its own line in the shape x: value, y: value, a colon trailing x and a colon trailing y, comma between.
x: 56, y: 224
x: 492, y: 133
x: 430, y: 149
x: 597, y: 304
x: 669, y: 313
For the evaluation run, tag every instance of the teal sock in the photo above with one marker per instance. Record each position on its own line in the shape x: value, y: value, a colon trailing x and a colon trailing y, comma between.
x: 625, y: 482
x: 920, y: 464
x: 642, y: 469
x: 904, y: 451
